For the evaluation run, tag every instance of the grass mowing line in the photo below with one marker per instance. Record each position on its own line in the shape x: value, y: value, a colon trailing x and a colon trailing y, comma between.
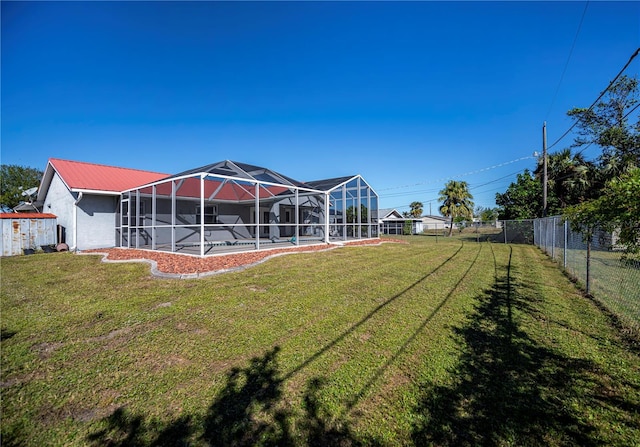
x: 353, y: 401
x: 344, y: 334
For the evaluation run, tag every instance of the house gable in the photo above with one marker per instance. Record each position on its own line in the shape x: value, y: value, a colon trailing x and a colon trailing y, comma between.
x: 90, y: 177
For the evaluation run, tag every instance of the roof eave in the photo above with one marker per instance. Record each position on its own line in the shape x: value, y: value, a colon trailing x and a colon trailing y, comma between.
x: 96, y: 192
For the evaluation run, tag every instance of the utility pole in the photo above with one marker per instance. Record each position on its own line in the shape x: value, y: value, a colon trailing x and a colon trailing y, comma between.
x: 544, y: 169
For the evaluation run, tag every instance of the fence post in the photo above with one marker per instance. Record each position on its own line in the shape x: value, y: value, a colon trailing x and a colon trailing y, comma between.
x: 566, y: 237
x: 589, y: 264
x: 553, y: 238
x: 504, y: 224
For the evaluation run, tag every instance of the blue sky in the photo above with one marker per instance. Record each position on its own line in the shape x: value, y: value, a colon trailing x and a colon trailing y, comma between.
x: 407, y: 94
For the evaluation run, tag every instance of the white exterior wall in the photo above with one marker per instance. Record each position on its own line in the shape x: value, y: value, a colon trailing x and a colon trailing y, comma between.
x: 59, y: 201
x: 96, y: 215
x: 430, y: 223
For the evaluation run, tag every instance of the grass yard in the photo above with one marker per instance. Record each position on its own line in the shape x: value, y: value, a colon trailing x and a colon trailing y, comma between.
x: 447, y: 342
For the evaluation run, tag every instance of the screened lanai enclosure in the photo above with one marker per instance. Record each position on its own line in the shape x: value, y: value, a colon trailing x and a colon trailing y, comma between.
x: 230, y: 206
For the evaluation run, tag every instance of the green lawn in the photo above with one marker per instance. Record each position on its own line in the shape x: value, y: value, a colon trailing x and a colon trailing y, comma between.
x: 438, y: 342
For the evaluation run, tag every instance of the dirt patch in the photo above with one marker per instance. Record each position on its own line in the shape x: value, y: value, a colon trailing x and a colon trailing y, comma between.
x: 95, y: 413
x: 45, y: 350
x: 364, y: 337
x: 111, y: 335
x: 161, y: 305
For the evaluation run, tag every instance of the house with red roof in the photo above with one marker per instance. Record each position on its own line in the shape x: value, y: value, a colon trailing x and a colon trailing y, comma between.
x: 85, y: 198
x: 224, y: 205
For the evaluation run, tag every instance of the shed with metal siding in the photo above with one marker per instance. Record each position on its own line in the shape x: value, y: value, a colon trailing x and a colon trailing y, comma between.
x: 22, y: 231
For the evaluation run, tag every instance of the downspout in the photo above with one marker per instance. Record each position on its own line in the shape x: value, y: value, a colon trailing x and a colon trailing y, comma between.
x: 75, y: 221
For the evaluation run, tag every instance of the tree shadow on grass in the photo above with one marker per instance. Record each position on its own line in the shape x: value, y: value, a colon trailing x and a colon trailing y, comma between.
x: 509, y: 389
x: 248, y: 411
x: 124, y: 429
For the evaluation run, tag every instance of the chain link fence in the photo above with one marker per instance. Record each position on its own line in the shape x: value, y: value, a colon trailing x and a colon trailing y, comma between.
x: 504, y: 231
x: 600, y: 266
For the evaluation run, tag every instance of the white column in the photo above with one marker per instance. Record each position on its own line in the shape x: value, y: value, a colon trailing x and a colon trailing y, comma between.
x: 297, y: 232
x: 153, y: 218
x: 173, y: 216
x: 257, y: 189
x: 202, y: 215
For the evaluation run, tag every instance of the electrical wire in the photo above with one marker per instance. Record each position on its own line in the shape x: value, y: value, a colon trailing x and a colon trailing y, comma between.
x: 499, y: 165
x: 470, y: 188
x: 564, y: 70
x: 633, y: 56
x: 624, y: 117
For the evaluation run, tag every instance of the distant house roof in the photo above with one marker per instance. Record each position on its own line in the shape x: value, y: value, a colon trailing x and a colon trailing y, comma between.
x: 26, y: 207
x: 91, y: 177
x: 389, y: 213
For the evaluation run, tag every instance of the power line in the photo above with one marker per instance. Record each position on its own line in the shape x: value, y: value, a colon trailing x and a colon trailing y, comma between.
x: 624, y: 117
x: 599, y: 97
x: 564, y: 70
x: 459, y: 175
x: 470, y: 188
x: 493, y: 181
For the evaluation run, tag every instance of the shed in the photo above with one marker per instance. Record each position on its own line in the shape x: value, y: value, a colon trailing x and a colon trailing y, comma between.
x: 26, y: 231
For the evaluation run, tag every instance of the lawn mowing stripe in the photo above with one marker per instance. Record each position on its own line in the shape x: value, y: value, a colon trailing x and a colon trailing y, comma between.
x: 380, y: 371
x: 344, y: 334
x: 429, y: 357
x: 362, y: 362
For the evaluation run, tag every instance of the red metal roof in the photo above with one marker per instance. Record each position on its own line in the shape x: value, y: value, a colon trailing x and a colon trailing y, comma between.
x: 190, y: 187
x: 80, y: 175
x: 27, y: 216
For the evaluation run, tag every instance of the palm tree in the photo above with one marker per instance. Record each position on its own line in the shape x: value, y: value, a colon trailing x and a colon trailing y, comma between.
x: 569, y: 176
x: 416, y: 209
x: 456, y: 201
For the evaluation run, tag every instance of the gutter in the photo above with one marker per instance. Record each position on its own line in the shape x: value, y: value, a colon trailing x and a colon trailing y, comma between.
x: 75, y: 220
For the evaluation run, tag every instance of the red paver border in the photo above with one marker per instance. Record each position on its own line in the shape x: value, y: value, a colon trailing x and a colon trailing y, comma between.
x: 176, y: 265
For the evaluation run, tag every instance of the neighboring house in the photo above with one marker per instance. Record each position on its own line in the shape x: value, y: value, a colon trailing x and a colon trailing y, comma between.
x: 435, y: 222
x: 392, y: 222
x: 222, y: 204
x: 85, y: 197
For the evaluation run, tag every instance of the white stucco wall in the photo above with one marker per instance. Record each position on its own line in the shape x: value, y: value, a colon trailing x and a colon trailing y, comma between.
x: 95, y: 216
x: 96, y: 221
x: 59, y: 201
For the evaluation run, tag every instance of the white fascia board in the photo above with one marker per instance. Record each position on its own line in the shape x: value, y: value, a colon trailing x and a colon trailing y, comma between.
x: 47, y: 178
x: 96, y: 192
